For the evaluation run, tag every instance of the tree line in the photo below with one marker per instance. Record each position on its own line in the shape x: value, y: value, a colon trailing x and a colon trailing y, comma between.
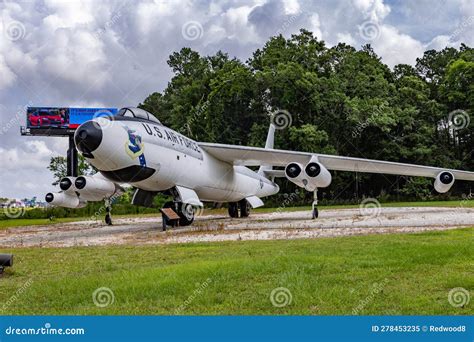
x: 340, y: 101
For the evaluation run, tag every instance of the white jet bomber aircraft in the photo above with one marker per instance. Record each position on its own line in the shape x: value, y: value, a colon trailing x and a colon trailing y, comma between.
x: 134, y: 148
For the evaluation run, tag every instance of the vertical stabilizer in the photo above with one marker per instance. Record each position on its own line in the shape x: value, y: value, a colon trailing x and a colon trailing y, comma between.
x: 268, y: 145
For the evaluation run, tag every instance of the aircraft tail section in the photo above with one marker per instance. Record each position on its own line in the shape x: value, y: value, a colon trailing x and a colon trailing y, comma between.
x: 268, y: 145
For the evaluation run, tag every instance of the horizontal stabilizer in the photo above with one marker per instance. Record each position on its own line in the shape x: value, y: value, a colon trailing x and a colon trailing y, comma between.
x: 254, y: 201
x: 274, y: 173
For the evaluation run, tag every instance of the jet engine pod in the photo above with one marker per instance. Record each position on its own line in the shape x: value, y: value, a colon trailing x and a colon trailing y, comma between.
x: 294, y: 173
x: 94, y: 188
x: 443, y: 182
x: 67, y: 184
x: 63, y: 199
x: 318, y: 176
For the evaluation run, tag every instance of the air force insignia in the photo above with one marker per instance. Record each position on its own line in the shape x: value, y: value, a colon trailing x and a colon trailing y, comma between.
x: 134, y: 146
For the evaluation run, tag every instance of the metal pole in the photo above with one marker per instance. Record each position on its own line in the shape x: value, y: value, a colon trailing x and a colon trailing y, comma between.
x: 71, y: 158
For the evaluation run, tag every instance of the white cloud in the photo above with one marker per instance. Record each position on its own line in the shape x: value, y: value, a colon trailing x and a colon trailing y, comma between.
x: 111, y: 53
x: 396, y: 47
x: 31, y: 154
x: 372, y: 9
x: 7, y: 75
x: 346, y: 38
x: 291, y: 6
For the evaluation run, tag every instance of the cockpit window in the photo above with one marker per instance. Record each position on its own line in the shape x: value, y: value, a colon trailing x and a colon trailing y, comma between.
x: 138, y: 113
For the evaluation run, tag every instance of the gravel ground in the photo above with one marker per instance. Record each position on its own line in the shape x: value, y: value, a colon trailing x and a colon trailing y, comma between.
x: 277, y: 225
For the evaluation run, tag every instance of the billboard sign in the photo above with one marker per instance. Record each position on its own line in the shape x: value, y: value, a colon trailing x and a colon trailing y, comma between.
x: 43, y: 117
x: 62, y: 118
x: 80, y: 115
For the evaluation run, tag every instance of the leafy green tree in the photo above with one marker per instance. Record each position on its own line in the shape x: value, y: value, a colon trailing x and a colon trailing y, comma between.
x: 341, y: 100
x: 58, y: 166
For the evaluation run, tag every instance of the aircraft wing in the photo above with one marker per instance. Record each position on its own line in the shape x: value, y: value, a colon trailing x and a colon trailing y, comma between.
x: 257, y: 156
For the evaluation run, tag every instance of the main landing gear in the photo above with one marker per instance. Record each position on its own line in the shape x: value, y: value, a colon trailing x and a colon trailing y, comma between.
x: 242, y: 207
x: 314, y: 205
x: 185, y: 212
x: 108, y: 209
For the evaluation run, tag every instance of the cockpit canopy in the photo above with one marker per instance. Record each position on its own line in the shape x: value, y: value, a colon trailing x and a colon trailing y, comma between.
x: 138, y: 113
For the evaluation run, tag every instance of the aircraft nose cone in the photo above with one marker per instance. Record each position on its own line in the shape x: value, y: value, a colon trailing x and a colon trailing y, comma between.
x: 88, y: 138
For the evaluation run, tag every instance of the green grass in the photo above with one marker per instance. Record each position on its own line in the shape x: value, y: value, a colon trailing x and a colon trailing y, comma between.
x: 20, y: 222
x: 27, y: 222
x: 327, y: 276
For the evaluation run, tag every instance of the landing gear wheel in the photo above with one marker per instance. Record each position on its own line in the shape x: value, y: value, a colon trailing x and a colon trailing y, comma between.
x: 244, y: 208
x: 186, y: 214
x: 315, y: 213
x: 108, y: 219
x: 233, y: 210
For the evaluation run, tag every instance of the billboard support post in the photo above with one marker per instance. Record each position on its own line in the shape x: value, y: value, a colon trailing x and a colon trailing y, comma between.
x: 71, y: 159
x: 61, y: 122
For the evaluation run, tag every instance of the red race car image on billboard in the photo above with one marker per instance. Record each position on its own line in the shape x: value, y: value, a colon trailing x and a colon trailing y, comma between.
x: 42, y: 117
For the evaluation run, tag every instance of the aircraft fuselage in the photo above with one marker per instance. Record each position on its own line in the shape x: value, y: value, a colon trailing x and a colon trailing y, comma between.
x: 153, y: 157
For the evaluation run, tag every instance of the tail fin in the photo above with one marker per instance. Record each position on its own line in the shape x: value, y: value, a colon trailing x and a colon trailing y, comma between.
x: 268, y: 145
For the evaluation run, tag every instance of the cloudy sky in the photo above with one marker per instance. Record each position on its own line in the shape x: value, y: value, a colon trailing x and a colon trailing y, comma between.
x: 113, y: 53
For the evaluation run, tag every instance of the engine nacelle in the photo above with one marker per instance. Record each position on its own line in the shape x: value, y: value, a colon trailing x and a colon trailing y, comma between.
x: 443, y: 182
x: 294, y: 173
x: 67, y: 184
x: 318, y: 176
x: 314, y: 175
x: 94, y: 188
x: 63, y: 199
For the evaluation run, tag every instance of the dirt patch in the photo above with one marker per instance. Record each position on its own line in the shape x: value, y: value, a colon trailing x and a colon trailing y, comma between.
x: 278, y: 225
